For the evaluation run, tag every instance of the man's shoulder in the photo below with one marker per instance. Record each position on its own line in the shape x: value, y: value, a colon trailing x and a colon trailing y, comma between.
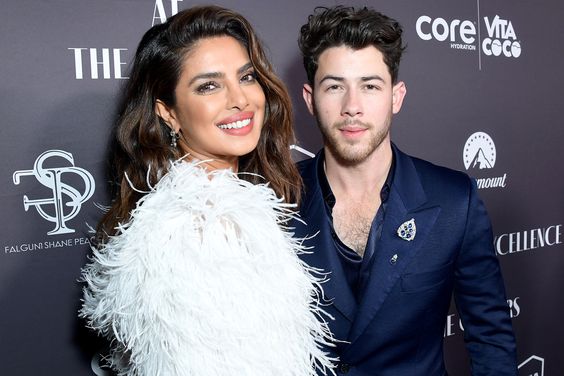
x: 308, y: 169
x: 437, y: 178
x: 438, y: 171
x: 306, y: 164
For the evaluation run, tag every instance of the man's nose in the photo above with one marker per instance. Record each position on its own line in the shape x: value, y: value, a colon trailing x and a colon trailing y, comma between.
x: 352, y: 105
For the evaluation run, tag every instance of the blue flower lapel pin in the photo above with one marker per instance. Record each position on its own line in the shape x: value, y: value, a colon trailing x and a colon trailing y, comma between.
x: 407, y: 230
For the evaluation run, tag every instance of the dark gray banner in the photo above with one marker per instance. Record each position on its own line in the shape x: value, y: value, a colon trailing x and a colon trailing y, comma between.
x: 485, y: 87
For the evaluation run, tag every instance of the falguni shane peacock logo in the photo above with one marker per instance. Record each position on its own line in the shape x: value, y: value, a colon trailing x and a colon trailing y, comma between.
x: 56, y: 170
x: 480, y: 153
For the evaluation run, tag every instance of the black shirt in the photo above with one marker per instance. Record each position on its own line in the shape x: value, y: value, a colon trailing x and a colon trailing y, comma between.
x: 356, y: 267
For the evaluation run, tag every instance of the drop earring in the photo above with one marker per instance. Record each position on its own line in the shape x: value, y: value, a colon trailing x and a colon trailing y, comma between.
x: 173, y: 138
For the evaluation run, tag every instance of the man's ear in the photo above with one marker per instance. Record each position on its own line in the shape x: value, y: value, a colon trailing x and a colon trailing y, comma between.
x: 307, y: 92
x: 399, y: 91
x: 168, y: 115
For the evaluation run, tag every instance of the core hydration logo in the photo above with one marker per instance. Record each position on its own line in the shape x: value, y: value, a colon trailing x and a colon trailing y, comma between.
x: 501, y: 39
x: 480, y: 153
x: 63, y: 195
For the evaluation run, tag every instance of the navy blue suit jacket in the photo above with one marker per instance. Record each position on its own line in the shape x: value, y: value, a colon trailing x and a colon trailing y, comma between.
x: 397, y: 327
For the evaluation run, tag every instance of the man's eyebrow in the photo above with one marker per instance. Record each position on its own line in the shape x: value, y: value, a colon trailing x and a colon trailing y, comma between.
x: 333, y: 78
x: 370, y: 78
x: 341, y: 79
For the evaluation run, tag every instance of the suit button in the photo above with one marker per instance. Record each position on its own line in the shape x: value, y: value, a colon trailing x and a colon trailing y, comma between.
x: 344, y: 368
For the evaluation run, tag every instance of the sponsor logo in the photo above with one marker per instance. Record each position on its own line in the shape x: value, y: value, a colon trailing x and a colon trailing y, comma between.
x: 514, y: 308
x: 500, y: 38
x: 528, y: 240
x: 159, y: 12
x: 533, y: 366
x: 66, y: 200
x: 100, y: 58
x: 460, y: 34
x: 41, y: 246
x: 453, y: 325
x: 479, y: 153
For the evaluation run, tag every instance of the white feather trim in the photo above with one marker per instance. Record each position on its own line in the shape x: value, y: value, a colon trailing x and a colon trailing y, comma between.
x: 203, y: 281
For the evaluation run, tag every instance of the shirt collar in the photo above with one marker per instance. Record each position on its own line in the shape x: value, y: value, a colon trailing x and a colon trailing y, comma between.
x: 327, y: 193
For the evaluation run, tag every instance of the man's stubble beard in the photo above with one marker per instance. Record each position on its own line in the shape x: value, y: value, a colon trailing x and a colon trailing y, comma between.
x: 351, y: 154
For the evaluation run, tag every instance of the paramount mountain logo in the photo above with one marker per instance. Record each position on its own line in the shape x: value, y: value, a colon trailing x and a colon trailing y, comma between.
x: 481, y: 161
x: 480, y: 154
x: 479, y: 151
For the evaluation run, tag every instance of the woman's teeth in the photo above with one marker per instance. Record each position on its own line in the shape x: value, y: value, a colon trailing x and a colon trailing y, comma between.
x: 236, y: 124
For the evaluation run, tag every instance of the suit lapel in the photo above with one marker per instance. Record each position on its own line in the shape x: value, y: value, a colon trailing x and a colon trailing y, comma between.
x: 322, y: 254
x: 393, y: 254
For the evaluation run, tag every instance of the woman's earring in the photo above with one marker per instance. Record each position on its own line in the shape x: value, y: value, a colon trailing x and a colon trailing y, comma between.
x: 173, y: 138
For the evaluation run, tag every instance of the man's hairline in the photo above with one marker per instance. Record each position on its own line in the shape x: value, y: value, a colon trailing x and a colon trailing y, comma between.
x: 316, y: 60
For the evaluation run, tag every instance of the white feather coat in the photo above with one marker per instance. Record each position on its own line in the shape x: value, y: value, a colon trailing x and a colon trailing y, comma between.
x: 203, y: 281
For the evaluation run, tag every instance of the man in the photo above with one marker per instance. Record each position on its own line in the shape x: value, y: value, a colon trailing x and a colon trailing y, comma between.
x: 397, y: 235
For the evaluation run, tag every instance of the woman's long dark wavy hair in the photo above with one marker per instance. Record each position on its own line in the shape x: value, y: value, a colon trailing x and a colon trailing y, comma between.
x: 142, y: 148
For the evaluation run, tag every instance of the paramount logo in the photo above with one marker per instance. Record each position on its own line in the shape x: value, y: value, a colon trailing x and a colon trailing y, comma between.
x: 480, y: 161
x: 480, y: 154
x: 497, y: 182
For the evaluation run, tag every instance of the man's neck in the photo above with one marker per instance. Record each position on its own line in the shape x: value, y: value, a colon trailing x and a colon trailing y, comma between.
x: 360, y: 179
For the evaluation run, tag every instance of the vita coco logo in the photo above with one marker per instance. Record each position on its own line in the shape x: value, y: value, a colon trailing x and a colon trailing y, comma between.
x: 479, y: 153
x: 501, y: 39
x: 51, y: 169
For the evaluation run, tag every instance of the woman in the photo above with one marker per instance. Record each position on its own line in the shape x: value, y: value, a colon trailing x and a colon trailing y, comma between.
x: 192, y: 274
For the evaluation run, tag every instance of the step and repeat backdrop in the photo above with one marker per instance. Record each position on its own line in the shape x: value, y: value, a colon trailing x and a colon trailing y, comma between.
x: 485, y: 96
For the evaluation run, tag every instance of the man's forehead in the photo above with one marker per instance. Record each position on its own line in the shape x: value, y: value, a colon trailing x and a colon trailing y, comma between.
x: 352, y: 64
x: 348, y: 50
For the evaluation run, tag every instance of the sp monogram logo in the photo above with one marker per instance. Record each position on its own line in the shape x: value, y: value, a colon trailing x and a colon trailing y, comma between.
x: 66, y: 199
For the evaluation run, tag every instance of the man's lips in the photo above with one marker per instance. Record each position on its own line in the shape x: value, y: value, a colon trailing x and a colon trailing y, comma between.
x: 352, y: 131
x: 352, y: 127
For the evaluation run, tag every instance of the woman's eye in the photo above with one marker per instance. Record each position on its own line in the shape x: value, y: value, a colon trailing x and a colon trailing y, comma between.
x: 207, y: 87
x: 249, y: 77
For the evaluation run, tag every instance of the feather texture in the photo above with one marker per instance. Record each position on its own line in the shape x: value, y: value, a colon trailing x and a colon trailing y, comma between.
x: 204, y: 281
